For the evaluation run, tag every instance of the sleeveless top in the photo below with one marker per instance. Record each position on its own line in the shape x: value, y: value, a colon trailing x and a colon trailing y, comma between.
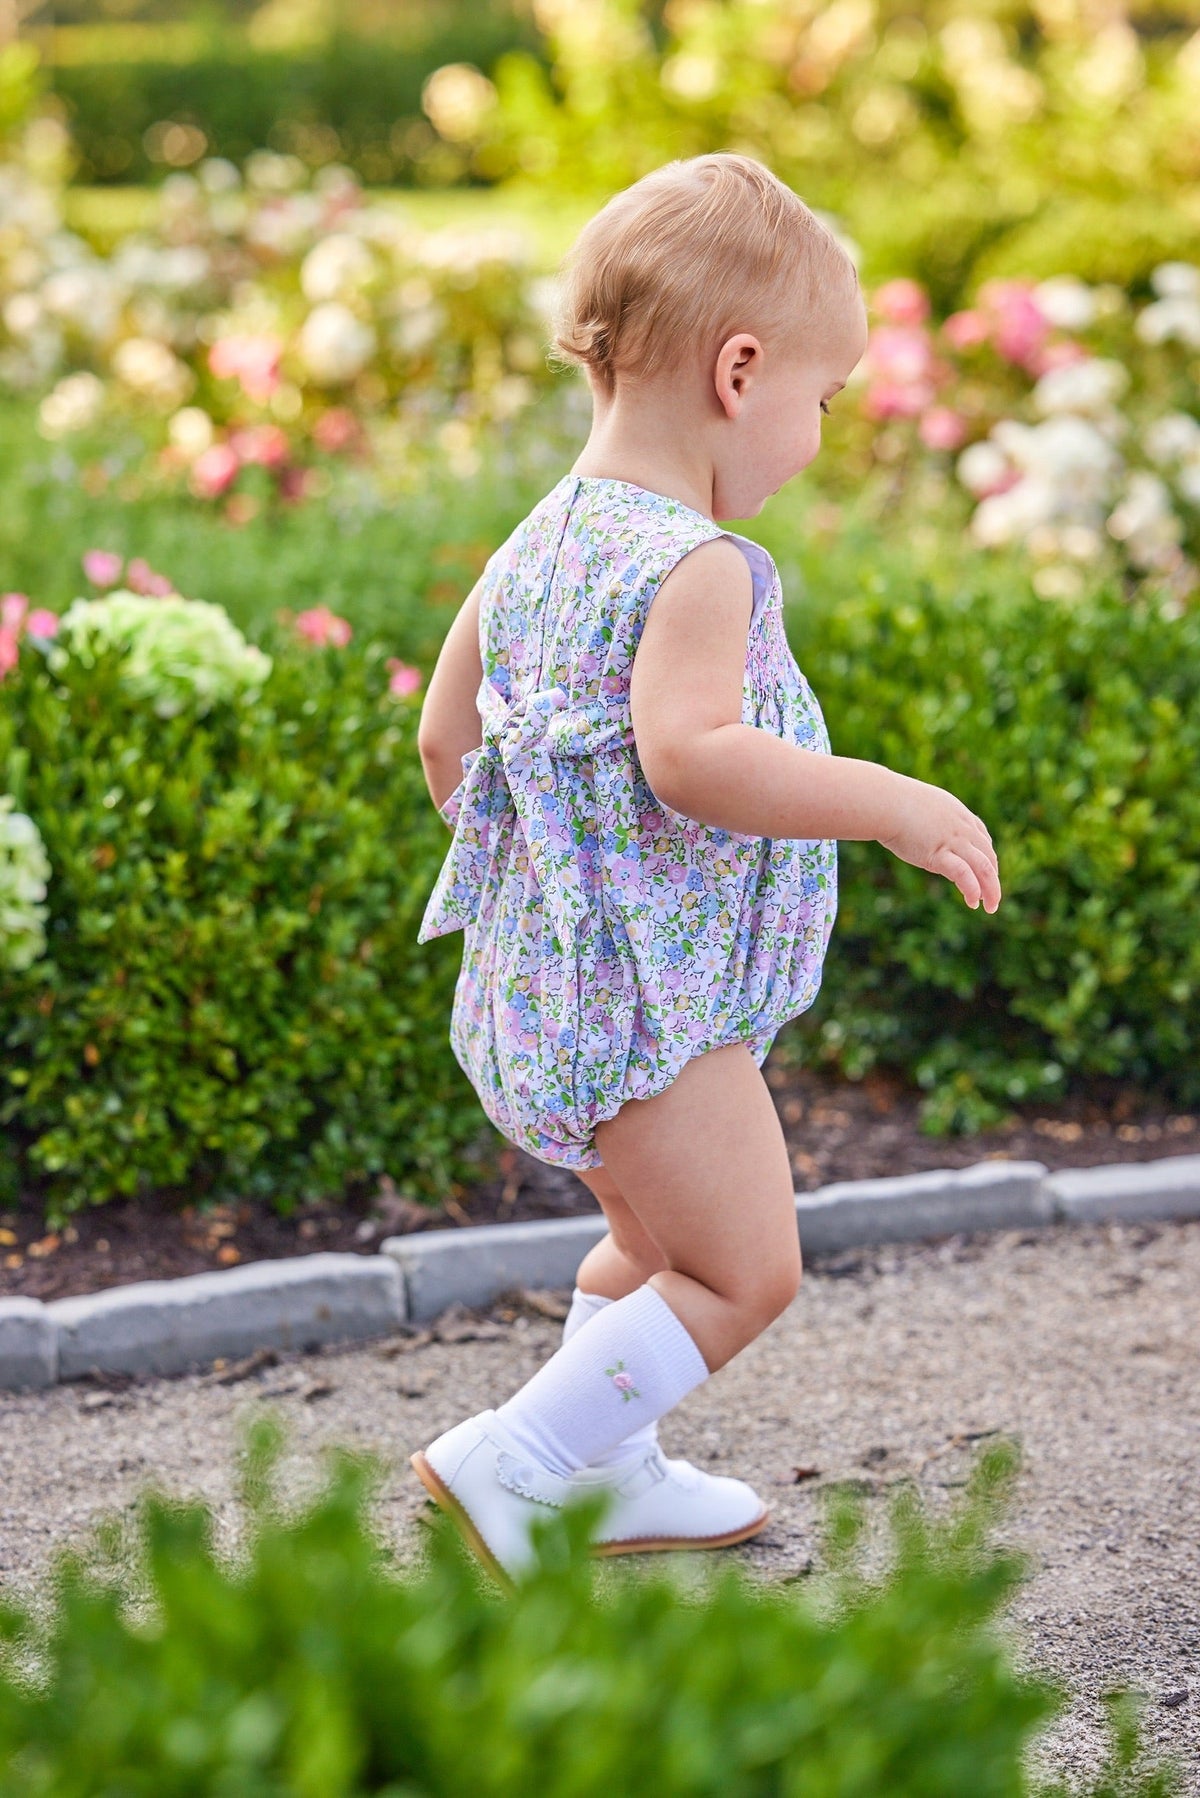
x: 607, y: 937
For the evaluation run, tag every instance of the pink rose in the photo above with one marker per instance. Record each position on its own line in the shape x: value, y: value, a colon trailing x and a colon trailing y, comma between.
x: 335, y: 430
x: 404, y: 679
x: 321, y: 626
x: 1060, y: 355
x: 9, y: 652
x: 13, y: 607
x: 966, y: 330
x: 214, y: 470
x: 902, y: 302
x: 941, y: 428
x: 894, y: 399
x: 102, y: 567
x: 624, y: 1381
x: 1021, y: 326
x: 42, y: 623
x: 901, y: 353
x: 251, y: 360
x: 265, y: 444
x: 294, y: 483
x: 143, y: 579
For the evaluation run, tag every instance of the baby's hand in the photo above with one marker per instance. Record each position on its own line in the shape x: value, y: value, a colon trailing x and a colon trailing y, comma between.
x: 932, y: 829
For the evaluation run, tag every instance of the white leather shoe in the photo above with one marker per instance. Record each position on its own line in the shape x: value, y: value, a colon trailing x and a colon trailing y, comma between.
x: 658, y: 1502
x: 489, y: 1485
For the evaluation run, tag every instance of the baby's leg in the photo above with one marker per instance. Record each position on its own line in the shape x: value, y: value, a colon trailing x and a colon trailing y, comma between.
x: 704, y: 1167
x: 705, y: 1171
x: 624, y: 1259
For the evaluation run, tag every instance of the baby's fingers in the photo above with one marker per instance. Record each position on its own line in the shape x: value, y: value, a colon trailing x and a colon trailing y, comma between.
x: 974, y: 874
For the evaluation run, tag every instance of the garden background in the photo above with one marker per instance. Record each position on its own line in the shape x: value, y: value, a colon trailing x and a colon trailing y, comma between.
x: 274, y: 289
x: 274, y: 284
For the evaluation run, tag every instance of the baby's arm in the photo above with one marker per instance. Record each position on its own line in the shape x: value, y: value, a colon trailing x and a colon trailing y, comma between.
x: 700, y: 759
x: 450, y: 725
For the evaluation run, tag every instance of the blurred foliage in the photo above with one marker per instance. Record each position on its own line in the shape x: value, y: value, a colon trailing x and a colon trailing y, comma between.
x: 307, y: 1666
x: 951, y: 143
x: 397, y: 564
x: 334, y: 93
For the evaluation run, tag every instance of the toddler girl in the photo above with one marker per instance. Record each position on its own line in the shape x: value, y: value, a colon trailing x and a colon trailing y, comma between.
x: 644, y: 855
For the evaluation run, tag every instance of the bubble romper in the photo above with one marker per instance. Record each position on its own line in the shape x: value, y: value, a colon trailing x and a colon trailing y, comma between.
x: 608, y: 938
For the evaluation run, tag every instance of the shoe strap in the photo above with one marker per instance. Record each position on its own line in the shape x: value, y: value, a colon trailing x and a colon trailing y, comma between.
x: 530, y: 1481
x: 645, y: 1475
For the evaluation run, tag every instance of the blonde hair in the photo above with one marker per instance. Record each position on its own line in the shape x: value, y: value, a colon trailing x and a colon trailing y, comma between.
x: 690, y: 253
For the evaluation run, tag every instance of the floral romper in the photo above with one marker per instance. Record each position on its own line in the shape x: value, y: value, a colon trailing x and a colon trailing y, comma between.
x: 608, y: 938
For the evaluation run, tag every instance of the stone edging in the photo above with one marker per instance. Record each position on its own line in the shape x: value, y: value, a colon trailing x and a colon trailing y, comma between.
x: 309, y: 1301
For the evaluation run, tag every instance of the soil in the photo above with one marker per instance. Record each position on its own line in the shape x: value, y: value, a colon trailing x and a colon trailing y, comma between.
x: 835, y: 1130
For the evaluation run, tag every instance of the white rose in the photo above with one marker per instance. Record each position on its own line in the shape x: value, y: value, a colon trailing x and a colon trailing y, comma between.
x: 1176, y: 280
x: 1177, y: 316
x: 981, y: 466
x: 338, y: 263
x: 334, y: 344
x: 1087, y: 386
x: 1145, y: 509
x: 72, y: 405
x: 191, y: 430
x: 1172, y: 438
x: 1066, y: 302
x: 149, y: 367
x: 1188, y: 481
x: 1009, y: 517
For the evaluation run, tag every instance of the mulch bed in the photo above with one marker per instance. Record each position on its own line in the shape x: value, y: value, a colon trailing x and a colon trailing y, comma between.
x: 835, y: 1130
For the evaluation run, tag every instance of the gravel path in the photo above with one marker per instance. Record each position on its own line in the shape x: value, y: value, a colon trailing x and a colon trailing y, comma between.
x: 1082, y: 1342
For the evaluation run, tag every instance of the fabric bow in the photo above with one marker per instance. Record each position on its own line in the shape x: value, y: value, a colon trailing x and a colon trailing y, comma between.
x: 505, y: 783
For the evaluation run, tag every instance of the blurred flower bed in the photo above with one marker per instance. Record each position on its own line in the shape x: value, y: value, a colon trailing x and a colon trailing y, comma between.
x: 268, y: 322
x: 271, y: 327
x: 1063, y: 414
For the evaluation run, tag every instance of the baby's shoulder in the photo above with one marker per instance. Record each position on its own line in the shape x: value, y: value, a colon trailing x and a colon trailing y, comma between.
x: 712, y: 570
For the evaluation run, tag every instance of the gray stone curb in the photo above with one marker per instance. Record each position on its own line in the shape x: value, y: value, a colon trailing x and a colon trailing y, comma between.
x: 303, y: 1302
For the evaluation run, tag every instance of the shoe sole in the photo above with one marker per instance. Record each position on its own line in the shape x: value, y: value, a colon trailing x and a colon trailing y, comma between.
x: 636, y: 1545
x: 443, y: 1496
x: 628, y: 1545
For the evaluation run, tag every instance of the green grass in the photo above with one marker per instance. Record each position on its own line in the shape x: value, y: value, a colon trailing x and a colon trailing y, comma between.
x: 104, y: 214
x: 397, y: 569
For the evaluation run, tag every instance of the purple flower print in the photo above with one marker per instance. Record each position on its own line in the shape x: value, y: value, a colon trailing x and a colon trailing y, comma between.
x: 623, y: 1381
x: 683, y: 934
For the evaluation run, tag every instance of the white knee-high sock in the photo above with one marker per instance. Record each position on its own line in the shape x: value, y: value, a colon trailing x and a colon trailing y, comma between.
x: 583, y: 1306
x: 621, y: 1369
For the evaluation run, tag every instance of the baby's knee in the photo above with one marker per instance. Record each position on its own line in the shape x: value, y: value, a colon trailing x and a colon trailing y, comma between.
x: 777, y: 1288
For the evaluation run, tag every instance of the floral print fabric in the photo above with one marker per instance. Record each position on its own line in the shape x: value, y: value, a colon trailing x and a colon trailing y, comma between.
x: 607, y: 937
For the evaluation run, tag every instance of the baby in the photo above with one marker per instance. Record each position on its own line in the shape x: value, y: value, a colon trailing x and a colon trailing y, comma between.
x: 645, y: 835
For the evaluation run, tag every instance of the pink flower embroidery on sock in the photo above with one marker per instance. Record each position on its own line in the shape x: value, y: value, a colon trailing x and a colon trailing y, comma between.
x: 622, y: 1381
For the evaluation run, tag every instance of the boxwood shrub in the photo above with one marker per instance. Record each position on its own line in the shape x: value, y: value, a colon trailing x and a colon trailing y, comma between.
x: 232, y: 1001
x: 309, y: 1666
x: 1073, y: 730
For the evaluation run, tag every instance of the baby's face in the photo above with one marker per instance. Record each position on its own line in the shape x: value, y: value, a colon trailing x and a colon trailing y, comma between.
x: 785, y: 406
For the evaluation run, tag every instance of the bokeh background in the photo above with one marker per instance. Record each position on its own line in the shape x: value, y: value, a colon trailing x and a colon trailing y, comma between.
x: 274, y: 292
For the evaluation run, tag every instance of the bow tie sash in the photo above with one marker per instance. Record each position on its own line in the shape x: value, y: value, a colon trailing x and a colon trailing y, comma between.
x: 512, y: 782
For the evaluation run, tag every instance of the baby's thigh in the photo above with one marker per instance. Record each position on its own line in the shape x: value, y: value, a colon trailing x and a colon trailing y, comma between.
x: 704, y: 1166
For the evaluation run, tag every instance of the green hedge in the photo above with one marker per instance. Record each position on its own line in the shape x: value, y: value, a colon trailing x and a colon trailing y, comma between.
x: 231, y: 1001
x: 308, y: 1669
x: 366, y: 89
x: 1073, y: 730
